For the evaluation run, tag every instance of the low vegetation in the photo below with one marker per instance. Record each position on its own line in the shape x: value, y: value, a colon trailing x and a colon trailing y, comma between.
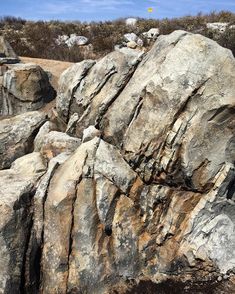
x: 38, y: 39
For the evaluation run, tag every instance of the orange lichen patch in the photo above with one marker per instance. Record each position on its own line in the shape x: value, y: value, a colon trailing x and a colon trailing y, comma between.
x: 48, y: 153
x: 135, y: 188
x: 143, y: 240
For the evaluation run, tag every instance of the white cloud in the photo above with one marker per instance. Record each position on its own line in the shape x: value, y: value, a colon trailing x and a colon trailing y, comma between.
x: 82, y: 6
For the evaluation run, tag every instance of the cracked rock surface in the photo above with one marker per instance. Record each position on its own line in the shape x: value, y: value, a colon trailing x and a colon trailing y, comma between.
x: 139, y: 193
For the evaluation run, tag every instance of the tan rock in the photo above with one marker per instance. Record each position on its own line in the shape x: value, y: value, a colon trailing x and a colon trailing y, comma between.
x: 131, y: 44
x: 57, y: 142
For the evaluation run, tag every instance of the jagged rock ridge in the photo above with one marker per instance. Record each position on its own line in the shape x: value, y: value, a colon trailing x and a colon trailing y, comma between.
x: 149, y: 194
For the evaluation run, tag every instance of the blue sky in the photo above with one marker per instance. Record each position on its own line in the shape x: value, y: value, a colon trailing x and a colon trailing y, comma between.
x: 87, y: 10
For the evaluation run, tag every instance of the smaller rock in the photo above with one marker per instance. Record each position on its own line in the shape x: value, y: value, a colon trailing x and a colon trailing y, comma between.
x: 90, y: 133
x: 140, y: 42
x: 217, y: 26
x: 225, y: 277
x: 58, y: 142
x: 131, y: 21
x: 152, y: 34
x: 61, y: 39
x: 72, y: 40
x: 131, y: 45
x: 76, y: 40
x: 130, y: 37
x: 44, y: 130
x: 219, y: 279
x: 17, y: 134
x: 31, y: 163
x: 28, y: 82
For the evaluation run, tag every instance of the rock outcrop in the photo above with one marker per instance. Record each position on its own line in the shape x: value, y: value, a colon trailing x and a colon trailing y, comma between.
x: 140, y: 189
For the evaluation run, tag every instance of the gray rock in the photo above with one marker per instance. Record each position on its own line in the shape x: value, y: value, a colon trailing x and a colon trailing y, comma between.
x: 17, y: 135
x: 40, y: 137
x: 130, y: 37
x: 76, y: 40
x: 90, y: 133
x: 218, y: 26
x: 93, y: 159
x: 72, y: 40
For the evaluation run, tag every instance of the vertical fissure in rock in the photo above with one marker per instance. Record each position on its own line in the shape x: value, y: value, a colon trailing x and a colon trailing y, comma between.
x: 105, y: 108
x: 34, y: 252
x: 28, y: 214
x: 111, y: 213
x: 184, y: 105
x: 231, y: 189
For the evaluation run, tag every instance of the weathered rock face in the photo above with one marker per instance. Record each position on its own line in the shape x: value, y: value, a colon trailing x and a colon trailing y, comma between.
x: 95, y: 86
x: 17, y: 134
x: 24, y: 87
x: 148, y: 195
x: 173, y: 122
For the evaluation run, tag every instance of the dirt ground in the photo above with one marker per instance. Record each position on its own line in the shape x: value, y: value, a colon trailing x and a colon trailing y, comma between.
x: 55, y: 67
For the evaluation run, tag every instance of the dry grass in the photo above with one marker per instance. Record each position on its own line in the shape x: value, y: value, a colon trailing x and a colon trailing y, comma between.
x: 38, y: 39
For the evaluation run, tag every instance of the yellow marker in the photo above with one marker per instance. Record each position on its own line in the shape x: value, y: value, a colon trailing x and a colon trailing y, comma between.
x: 150, y: 9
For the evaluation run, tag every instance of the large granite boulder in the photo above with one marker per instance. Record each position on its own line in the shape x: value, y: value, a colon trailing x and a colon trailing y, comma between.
x: 173, y: 122
x: 25, y: 87
x: 148, y: 196
x: 17, y: 134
